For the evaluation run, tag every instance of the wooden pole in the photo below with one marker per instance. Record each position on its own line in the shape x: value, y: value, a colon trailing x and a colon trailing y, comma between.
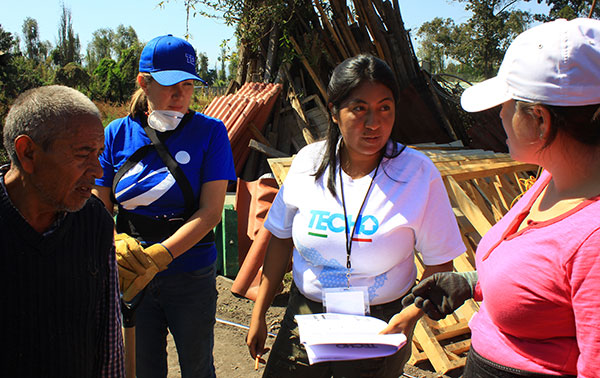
x: 309, y: 68
x: 129, y: 339
x: 341, y: 47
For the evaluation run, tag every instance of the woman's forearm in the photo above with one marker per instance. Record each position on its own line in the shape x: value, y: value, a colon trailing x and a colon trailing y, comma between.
x: 277, y: 260
x: 202, y: 221
x: 192, y: 231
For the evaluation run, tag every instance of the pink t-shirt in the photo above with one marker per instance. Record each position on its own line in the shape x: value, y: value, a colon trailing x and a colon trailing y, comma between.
x: 541, y: 290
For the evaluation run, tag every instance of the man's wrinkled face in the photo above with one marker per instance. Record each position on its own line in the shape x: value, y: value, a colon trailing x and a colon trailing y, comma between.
x: 65, y: 172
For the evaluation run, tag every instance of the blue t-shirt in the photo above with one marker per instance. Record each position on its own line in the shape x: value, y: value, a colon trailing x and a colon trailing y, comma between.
x: 202, y: 150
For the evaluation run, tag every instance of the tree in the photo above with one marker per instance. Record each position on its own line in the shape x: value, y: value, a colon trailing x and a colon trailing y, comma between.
x: 568, y: 9
x: 254, y: 20
x: 99, y: 48
x: 33, y: 46
x: 222, y: 59
x: 68, y: 46
x: 17, y: 74
x: 480, y: 43
x: 437, y: 42
x: 491, y: 28
x: 125, y: 38
x: 115, y: 81
x: 211, y: 76
x: 106, y: 81
x: 72, y: 75
x: 6, y: 41
x: 202, y: 65
x: 128, y: 66
x: 233, y: 66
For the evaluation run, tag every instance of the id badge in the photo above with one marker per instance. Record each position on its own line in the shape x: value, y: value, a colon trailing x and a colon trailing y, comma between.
x: 343, y: 300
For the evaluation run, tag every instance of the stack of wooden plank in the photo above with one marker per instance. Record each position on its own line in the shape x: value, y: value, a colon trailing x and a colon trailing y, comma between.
x: 481, y: 186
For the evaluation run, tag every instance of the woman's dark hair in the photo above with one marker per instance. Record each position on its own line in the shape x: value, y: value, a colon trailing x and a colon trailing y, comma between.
x: 582, y: 123
x: 346, y: 77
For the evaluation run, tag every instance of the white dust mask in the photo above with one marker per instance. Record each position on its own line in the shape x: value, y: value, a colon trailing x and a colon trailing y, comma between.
x: 164, y: 120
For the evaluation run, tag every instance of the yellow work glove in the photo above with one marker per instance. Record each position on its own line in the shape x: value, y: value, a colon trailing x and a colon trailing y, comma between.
x: 137, y: 266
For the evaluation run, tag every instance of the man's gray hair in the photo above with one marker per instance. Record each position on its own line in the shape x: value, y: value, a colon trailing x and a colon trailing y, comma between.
x: 44, y: 114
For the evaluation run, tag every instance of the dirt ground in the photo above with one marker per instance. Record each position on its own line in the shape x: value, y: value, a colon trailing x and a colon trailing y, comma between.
x: 232, y: 359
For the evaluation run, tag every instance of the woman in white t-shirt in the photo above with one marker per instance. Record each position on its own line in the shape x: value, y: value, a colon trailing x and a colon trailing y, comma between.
x: 394, y: 202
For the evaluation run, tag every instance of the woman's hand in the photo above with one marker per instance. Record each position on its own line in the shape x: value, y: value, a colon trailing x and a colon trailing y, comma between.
x: 277, y: 259
x: 257, y: 335
x: 405, y: 319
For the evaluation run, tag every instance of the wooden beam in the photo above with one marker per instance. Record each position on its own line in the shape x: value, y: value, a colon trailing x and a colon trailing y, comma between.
x: 269, y: 151
x: 486, y: 170
x: 468, y: 208
x: 306, y: 64
x: 435, y: 352
x: 280, y: 167
x: 258, y: 135
x: 336, y: 38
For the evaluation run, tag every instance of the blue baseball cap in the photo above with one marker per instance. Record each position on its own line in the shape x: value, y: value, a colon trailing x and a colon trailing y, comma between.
x: 169, y: 60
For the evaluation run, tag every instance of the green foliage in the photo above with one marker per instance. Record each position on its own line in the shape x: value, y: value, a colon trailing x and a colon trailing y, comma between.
x: 99, y: 48
x: 68, y: 46
x: 109, y: 74
x: 438, y: 36
x: 129, y: 67
x: 72, y: 75
x: 233, y: 66
x: 222, y: 72
x: 568, y: 9
x: 17, y: 74
x: 211, y: 77
x: 254, y: 20
x: 107, y: 43
x: 33, y: 46
x: 6, y: 40
x: 202, y: 66
x: 479, y: 44
x: 106, y: 84
x: 115, y: 81
x: 125, y: 38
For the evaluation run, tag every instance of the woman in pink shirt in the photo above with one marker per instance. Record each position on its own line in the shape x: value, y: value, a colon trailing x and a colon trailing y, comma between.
x: 538, y: 268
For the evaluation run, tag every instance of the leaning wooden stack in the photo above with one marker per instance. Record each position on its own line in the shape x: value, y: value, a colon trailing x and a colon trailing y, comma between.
x: 481, y: 186
x: 320, y: 34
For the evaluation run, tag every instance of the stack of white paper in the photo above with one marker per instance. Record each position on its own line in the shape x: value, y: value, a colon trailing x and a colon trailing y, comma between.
x: 342, y: 337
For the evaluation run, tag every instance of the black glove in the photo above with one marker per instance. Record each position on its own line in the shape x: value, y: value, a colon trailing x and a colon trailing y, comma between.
x: 440, y: 294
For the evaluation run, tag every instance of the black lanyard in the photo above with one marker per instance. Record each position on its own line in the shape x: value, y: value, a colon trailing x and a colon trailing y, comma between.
x: 357, y: 220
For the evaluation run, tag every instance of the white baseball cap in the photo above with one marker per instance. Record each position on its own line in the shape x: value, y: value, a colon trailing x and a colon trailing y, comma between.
x: 555, y: 63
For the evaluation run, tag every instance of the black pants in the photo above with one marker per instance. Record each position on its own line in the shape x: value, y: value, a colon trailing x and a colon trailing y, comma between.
x: 288, y: 358
x: 480, y: 367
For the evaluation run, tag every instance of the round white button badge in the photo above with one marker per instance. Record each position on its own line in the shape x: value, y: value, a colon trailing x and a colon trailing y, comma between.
x: 182, y: 157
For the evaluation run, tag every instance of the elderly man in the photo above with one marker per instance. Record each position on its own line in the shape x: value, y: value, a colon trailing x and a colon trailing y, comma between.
x: 59, y: 305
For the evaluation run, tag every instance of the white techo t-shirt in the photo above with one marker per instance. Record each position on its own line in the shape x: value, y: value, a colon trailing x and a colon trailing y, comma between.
x: 407, y: 208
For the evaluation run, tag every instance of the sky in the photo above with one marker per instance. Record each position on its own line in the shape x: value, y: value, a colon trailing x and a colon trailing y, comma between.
x: 149, y: 20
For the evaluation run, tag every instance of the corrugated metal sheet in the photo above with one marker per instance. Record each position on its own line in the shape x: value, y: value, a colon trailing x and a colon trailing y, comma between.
x: 252, y: 104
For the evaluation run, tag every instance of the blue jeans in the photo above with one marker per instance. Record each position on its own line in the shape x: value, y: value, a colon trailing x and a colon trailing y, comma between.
x: 185, y: 303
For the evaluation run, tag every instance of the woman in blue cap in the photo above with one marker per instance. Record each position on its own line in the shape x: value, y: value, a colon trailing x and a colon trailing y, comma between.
x: 167, y: 168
